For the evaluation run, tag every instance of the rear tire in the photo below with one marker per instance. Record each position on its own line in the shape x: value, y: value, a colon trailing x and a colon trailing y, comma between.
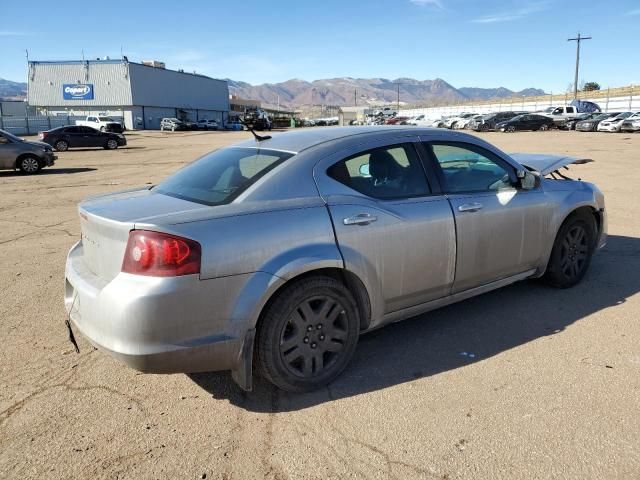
x: 61, y: 145
x: 484, y: 127
x: 307, y: 334
x: 544, y: 128
x: 572, y: 251
x: 29, y: 165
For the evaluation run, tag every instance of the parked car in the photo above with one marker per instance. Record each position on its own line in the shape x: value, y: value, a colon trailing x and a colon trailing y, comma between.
x: 396, y: 120
x: 452, y: 121
x: 18, y: 154
x: 570, y: 124
x: 285, y: 253
x: 613, y: 124
x: 561, y: 114
x: 64, y: 138
x: 104, y: 124
x: 207, y: 124
x: 386, y: 112
x: 172, y: 124
x: 465, y: 122
x: 631, y: 124
x: 591, y: 124
x: 528, y: 121
x: 488, y: 122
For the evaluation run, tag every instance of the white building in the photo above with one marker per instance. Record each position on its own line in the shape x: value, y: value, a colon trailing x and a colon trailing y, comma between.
x: 141, y: 94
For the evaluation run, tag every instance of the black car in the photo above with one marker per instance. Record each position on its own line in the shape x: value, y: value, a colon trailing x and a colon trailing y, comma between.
x: 528, y: 121
x: 64, y: 138
x: 488, y: 122
x: 591, y: 124
x: 570, y: 123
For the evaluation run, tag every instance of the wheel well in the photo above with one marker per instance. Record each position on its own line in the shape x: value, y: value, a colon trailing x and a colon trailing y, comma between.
x: 587, y: 211
x: 348, y: 279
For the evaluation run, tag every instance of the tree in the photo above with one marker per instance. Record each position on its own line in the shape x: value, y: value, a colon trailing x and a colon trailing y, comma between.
x: 590, y: 87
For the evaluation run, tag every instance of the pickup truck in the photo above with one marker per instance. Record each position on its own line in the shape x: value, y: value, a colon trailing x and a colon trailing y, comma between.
x: 561, y: 114
x: 104, y: 124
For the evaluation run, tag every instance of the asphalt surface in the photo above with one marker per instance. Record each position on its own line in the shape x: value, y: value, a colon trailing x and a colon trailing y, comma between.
x: 522, y: 383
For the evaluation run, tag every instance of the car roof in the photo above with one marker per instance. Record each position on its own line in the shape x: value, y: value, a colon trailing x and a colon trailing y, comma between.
x: 298, y: 140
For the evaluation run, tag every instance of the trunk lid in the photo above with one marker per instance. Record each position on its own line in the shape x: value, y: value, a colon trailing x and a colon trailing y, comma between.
x: 546, y: 164
x: 105, y: 222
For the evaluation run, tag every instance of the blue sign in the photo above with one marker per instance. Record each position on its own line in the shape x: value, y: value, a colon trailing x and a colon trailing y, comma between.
x: 77, y: 91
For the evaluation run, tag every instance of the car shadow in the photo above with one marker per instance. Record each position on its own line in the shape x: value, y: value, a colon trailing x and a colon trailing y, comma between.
x: 458, y: 335
x: 48, y: 171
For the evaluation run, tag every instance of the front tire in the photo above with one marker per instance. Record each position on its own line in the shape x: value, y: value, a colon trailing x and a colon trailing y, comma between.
x: 29, y: 165
x: 572, y: 251
x: 510, y: 129
x: 111, y: 144
x: 544, y: 128
x: 308, y: 334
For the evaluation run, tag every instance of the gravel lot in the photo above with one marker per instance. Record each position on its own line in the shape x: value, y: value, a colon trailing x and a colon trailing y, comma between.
x: 552, y: 389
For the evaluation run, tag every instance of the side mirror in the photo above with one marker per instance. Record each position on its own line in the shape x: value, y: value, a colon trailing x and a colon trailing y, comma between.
x: 364, y: 170
x: 527, y: 179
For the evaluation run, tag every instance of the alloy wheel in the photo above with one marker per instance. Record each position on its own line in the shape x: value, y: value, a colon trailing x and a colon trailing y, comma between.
x: 574, y: 252
x: 314, y: 336
x: 112, y: 144
x: 29, y: 165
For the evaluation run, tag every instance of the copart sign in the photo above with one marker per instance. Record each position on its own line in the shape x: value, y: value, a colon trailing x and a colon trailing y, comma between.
x: 77, y: 91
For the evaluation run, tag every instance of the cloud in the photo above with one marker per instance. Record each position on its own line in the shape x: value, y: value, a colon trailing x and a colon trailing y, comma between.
x: 431, y: 3
x: 513, y: 15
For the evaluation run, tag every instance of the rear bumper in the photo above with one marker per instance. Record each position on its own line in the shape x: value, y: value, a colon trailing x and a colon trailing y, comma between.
x: 155, y: 325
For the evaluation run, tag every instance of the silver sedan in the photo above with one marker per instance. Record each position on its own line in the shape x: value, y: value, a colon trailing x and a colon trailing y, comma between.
x: 283, y: 250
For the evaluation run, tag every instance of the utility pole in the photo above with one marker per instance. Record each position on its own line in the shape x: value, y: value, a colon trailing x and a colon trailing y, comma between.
x: 578, y: 39
x: 398, y: 97
x: 355, y: 98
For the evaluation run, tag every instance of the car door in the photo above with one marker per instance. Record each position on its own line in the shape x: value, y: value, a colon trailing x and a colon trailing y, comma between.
x: 500, y: 228
x: 393, y: 227
x: 91, y: 137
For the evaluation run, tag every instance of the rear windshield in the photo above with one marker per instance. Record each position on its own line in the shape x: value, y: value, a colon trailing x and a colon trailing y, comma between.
x: 219, y: 177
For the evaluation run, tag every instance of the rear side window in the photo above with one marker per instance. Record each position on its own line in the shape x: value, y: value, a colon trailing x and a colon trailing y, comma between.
x: 221, y: 176
x: 385, y: 173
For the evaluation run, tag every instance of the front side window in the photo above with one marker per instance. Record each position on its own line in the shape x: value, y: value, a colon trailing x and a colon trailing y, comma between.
x: 384, y: 173
x: 469, y: 169
x: 219, y: 177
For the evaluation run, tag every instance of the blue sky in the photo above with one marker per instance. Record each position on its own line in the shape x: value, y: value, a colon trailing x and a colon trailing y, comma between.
x: 488, y: 43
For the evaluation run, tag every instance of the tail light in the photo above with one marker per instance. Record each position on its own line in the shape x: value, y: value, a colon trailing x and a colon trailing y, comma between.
x: 158, y: 254
x: 41, y: 135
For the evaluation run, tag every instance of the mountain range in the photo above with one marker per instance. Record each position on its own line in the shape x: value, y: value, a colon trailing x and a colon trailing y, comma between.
x: 12, y: 90
x: 342, y: 91
x: 349, y: 91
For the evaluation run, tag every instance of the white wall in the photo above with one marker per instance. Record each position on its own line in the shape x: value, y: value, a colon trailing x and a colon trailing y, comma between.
x: 614, y: 104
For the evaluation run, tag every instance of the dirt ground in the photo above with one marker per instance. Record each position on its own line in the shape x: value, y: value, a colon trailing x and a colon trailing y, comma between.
x: 549, y: 386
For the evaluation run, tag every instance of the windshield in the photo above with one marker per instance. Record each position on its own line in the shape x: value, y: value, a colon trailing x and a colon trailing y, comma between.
x: 623, y: 115
x: 219, y: 177
x: 106, y: 119
x: 11, y: 136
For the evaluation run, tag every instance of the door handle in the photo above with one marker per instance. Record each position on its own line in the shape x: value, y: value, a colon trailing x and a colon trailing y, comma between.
x: 470, y: 207
x: 360, y: 219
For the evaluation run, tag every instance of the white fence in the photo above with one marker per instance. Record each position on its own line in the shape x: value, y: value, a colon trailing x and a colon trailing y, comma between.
x: 607, y: 104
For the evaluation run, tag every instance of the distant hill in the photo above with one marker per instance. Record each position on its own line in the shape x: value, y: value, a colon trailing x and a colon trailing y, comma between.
x: 12, y: 90
x: 340, y: 91
x: 346, y: 91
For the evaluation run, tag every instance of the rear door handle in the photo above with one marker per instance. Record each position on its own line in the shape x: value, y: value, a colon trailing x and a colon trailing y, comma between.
x: 470, y: 207
x: 360, y: 219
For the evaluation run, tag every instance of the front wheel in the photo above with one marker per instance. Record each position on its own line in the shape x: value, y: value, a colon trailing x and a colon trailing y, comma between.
x: 572, y: 251
x: 111, y: 144
x: 308, y: 334
x: 484, y: 127
x: 544, y: 128
x: 510, y: 129
x: 29, y: 165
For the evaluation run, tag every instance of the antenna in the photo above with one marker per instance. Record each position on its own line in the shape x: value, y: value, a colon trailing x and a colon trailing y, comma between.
x: 259, y: 138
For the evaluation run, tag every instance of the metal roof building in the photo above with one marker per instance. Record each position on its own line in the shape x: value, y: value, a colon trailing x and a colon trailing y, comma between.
x: 141, y: 94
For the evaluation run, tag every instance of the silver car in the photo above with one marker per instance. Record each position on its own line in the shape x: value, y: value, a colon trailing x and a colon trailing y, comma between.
x: 281, y: 252
x: 19, y: 154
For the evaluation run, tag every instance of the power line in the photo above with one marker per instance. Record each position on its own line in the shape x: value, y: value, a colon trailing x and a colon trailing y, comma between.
x: 578, y: 39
